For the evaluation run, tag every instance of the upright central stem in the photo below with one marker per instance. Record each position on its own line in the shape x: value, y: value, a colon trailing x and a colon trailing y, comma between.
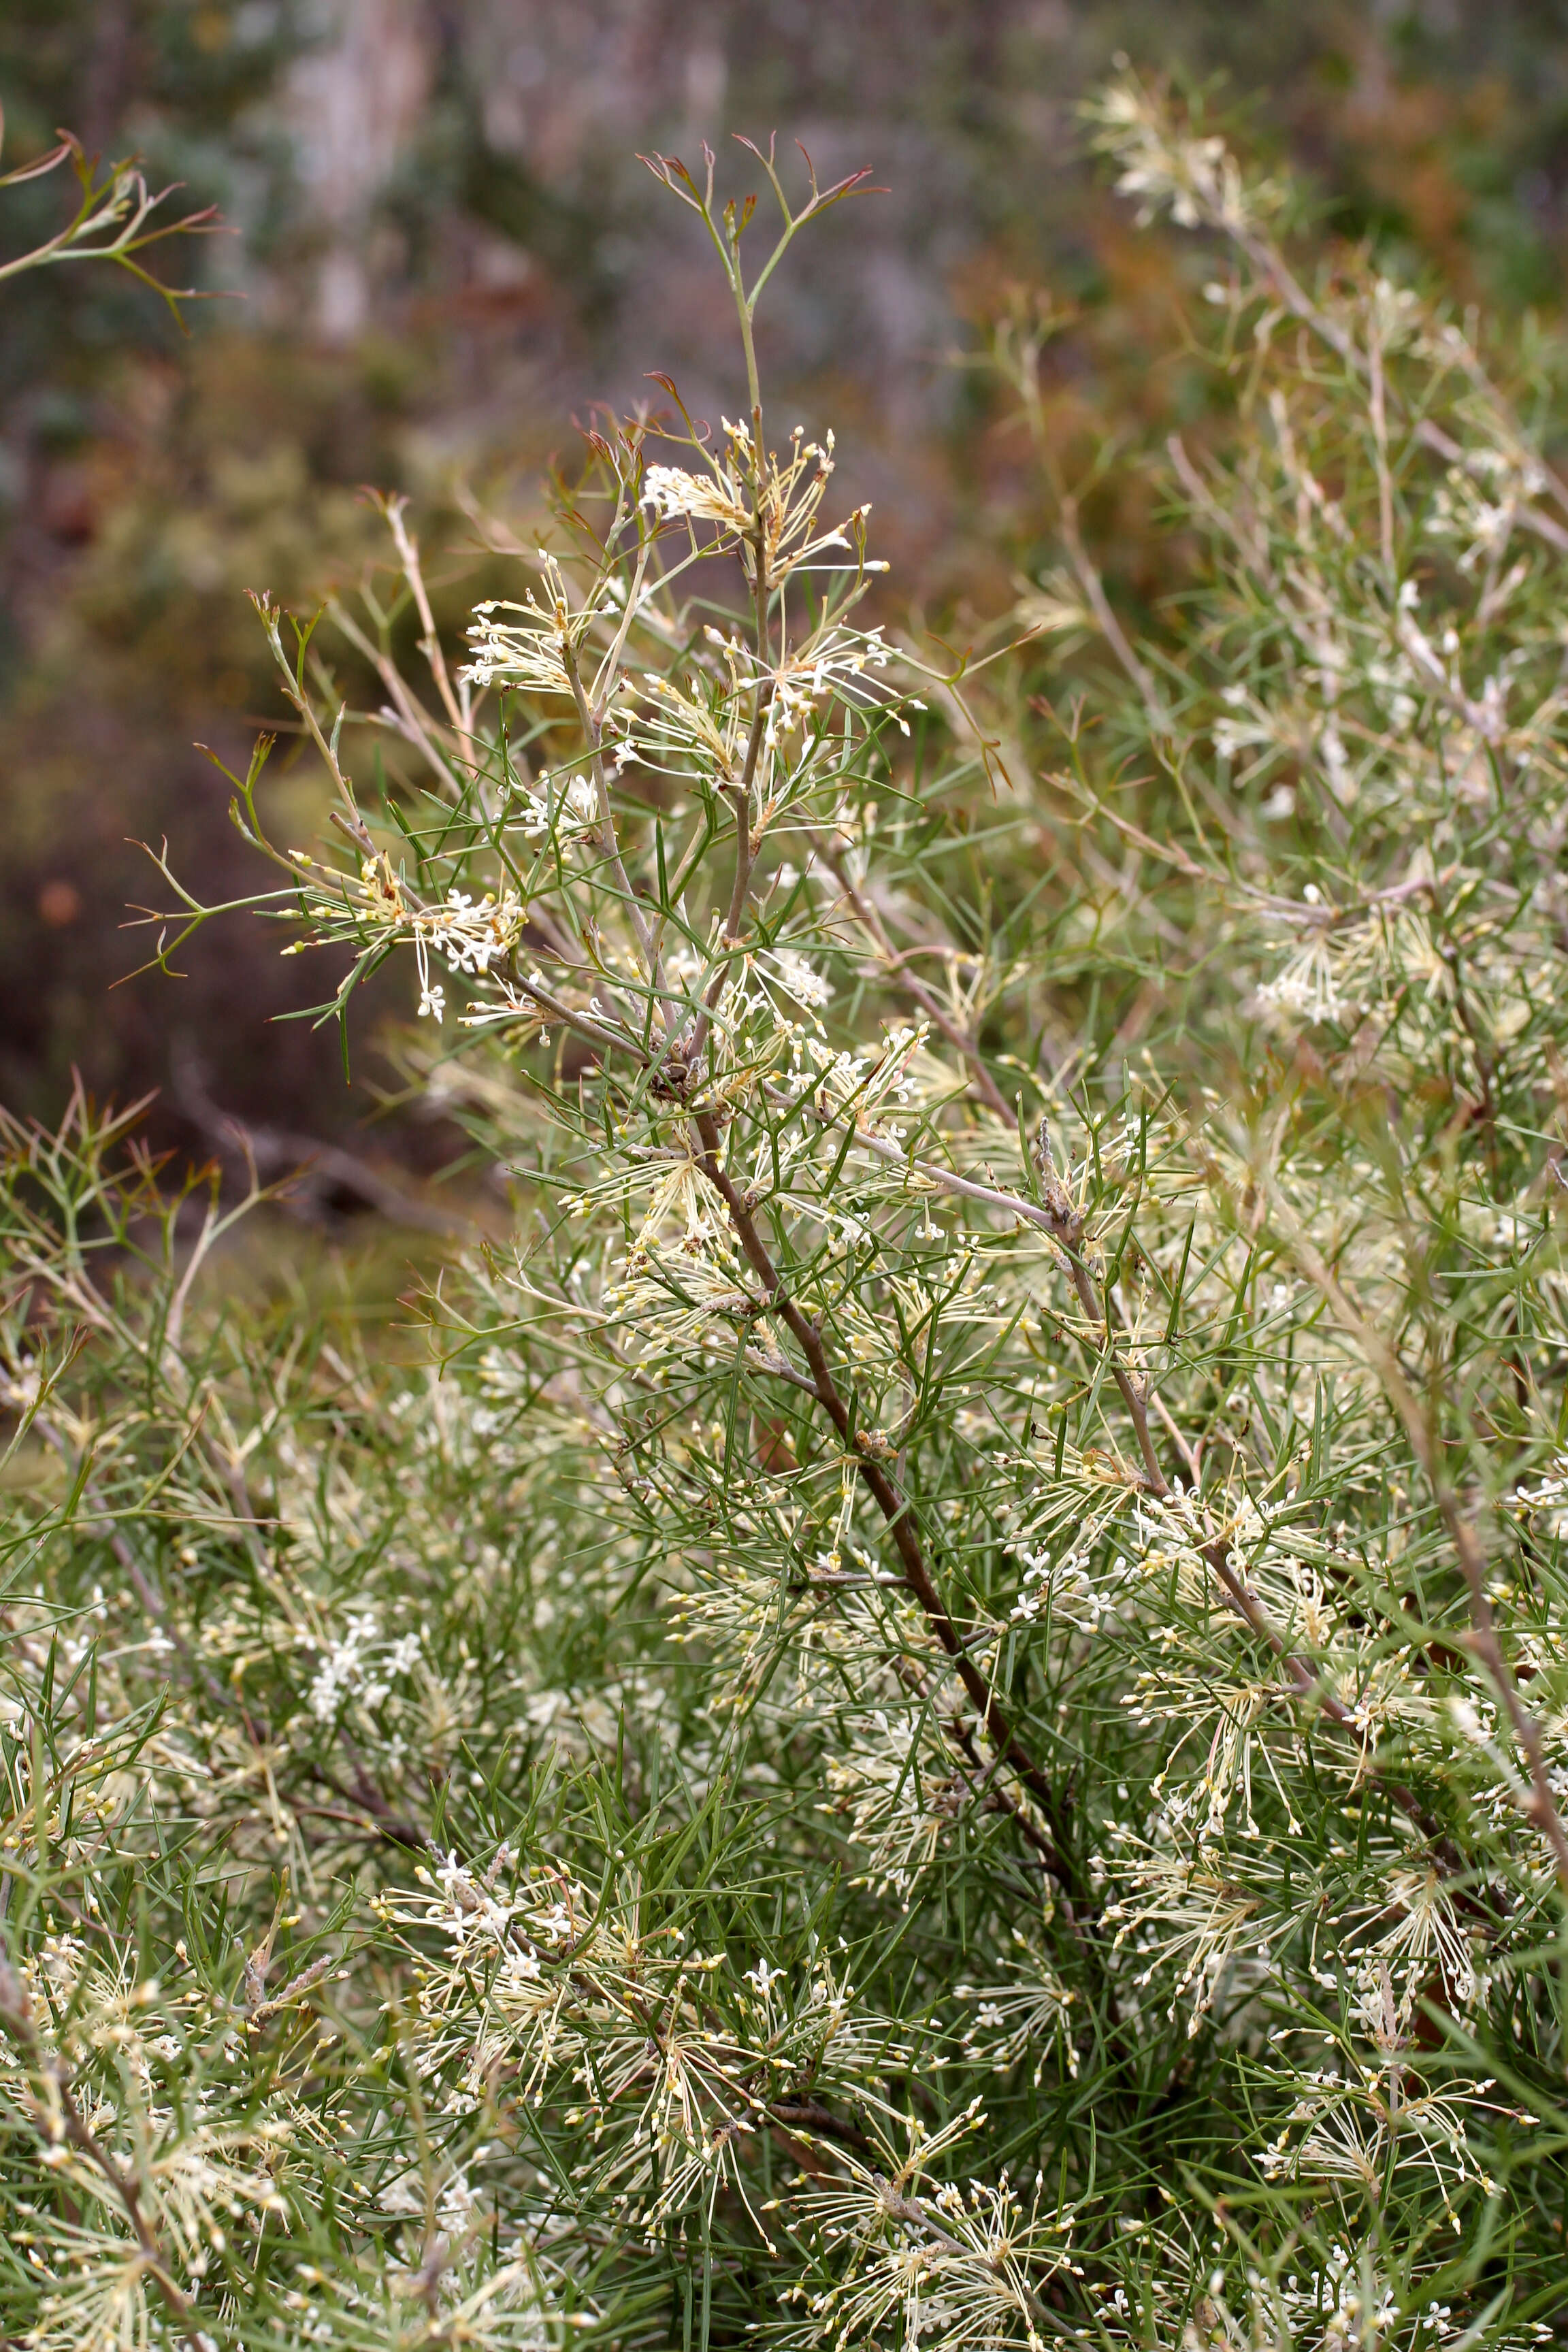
x: 747, y: 343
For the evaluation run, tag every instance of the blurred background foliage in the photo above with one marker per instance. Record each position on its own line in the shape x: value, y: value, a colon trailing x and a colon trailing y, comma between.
x: 446, y: 252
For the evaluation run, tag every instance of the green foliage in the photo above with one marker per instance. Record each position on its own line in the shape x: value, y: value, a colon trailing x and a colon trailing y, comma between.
x: 940, y: 1720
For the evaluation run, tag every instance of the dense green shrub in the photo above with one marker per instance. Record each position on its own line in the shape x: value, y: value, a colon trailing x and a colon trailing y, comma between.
x: 941, y: 1720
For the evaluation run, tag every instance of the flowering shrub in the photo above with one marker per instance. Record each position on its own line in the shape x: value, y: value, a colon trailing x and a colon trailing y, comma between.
x: 941, y: 1720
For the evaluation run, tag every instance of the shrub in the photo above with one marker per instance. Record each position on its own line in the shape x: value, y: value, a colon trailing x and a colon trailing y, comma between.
x: 940, y: 1720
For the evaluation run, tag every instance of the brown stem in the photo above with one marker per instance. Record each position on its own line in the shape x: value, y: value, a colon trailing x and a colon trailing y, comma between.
x: 1379, y: 447
x: 610, y: 1040
x: 1216, y: 1551
x: 1310, y: 1686
x: 48, y: 2066
x: 894, y: 1507
x: 810, y: 2114
x: 986, y: 1790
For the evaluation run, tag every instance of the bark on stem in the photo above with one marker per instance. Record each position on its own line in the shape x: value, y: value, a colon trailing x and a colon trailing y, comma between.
x: 47, y: 2066
x: 894, y: 1507
x: 1216, y: 1551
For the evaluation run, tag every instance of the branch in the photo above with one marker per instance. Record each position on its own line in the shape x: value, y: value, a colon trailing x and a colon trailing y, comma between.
x: 1216, y: 1550
x: 116, y: 209
x: 49, y: 2067
x: 894, y: 1507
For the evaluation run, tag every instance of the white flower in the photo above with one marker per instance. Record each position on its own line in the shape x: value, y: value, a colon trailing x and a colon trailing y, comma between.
x: 572, y: 811
x: 716, y: 498
x: 797, y: 978
x: 537, y: 648
x: 343, y: 1668
x: 472, y: 937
